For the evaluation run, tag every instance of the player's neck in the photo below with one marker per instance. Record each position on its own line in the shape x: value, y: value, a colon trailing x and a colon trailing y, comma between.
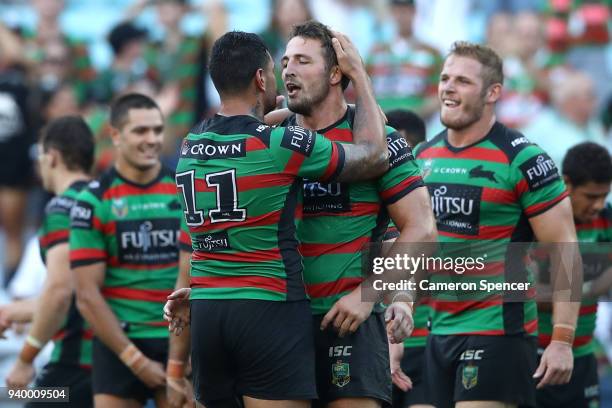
x: 328, y: 112
x: 471, y: 134
x: 237, y: 106
x: 65, y: 179
x: 134, y: 174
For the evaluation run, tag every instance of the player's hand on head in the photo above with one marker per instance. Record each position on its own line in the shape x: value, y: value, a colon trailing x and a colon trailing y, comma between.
x: 348, y: 313
x: 349, y: 60
x: 399, y: 378
x: 556, y: 365
x: 20, y: 375
x: 398, y: 318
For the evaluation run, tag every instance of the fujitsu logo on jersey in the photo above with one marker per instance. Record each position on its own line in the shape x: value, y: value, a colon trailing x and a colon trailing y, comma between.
x: 81, y: 216
x: 316, y: 189
x: 213, y: 242
x: 147, y: 237
x: 456, y: 207
x: 149, y: 241
x: 539, y: 171
x: 298, y: 139
x: 450, y: 205
x: 395, y: 145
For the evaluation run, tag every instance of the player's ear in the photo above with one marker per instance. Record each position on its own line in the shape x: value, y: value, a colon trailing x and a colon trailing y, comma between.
x: 260, y: 80
x: 114, y: 133
x: 335, y: 76
x: 568, y: 183
x: 494, y: 93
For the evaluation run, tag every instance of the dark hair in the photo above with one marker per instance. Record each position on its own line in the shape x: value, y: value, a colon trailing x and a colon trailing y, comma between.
x: 71, y: 136
x: 587, y: 162
x: 235, y: 58
x: 409, y: 122
x: 492, y: 65
x: 316, y: 31
x: 121, y: 106
x: 124, y: 33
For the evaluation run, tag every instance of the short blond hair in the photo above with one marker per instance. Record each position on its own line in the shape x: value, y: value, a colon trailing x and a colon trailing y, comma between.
x: 492, y: 64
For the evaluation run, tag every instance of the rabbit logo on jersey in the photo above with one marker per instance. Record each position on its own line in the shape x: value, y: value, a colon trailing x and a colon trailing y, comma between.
x: 456, y: 207
x: 144, y: 242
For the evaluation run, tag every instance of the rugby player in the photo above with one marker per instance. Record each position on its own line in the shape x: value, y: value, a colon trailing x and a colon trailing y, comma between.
x: 339, y: 219
x: 407, y: 359
x: 65, y: 157
x: 587, y: 172
x: 124, y: 252
x: 489, y: 183
x: 239, y: 179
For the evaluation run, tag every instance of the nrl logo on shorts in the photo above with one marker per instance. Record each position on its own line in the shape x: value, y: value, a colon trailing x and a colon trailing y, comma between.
x: 469, y: 377
x: 119, y: 208
x: 341, y: 374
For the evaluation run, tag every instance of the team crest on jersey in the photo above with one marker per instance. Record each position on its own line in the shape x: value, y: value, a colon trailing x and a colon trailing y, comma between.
x: 426, y: 168
x: 341, y: 374
x: 469, y: 376
x: 119, y: 208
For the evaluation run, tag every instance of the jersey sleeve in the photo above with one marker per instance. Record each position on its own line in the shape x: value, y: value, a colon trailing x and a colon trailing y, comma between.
x: 55, y: 227
x: 185, y: 237
x: 304, y: 153
x: 403, y: 175
x: 87, y: 244
x: 539, y: 186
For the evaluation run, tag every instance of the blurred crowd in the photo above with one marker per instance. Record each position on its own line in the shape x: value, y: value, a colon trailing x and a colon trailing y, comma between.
x: 60, y: 57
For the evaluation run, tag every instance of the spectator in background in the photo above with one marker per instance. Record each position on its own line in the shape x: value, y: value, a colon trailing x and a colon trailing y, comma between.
x: 128, y: 67
x: 499, y: 33
x: 571, y: 119
x: 405, y: 71
x: 409, y: 124
x: 16, y: 167
x: 43, y: 43
x: 179, y: 62
x: 285, y: 14
x: 526, y: 72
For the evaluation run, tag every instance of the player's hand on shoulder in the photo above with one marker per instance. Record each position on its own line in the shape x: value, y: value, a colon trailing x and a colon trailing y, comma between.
x: 348, y: 313
x: 400, y: 323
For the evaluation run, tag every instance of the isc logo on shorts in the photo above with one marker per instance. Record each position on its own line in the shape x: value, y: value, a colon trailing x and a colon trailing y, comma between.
x: 469, y: 355
x: 340, y: 351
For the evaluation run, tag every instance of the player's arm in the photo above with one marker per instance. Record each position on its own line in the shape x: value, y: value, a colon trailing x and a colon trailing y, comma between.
x: 179, y: 349
x: 17, y: 311
x: 49, y: 315
x: 556, y: 225
x: 367, y: 157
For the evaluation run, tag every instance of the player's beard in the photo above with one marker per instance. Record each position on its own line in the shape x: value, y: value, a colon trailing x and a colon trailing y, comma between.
x: 470, y: 114
x: 307, y: 101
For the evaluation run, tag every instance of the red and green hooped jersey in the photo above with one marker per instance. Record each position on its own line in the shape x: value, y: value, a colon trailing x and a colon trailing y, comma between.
x: 134, y: 230
x: 72, y: 343
x: 481, y: 194
x: 599, y: 230
x: 239, y: 182
x: 340, y: 218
